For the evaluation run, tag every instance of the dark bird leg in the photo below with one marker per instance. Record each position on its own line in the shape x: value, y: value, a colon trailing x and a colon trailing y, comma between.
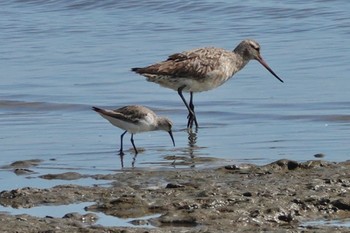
x: 191, y: 118
x: 191, y: 115
x: 132, y: 142
x: 121, y: 143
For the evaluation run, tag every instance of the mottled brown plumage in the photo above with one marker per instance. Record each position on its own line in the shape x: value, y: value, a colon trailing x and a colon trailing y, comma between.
x: 201, y: 69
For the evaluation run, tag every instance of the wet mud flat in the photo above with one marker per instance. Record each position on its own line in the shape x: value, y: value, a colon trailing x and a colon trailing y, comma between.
x: 279, y: 197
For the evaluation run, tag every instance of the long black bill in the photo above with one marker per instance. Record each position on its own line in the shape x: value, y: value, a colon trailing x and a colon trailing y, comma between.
x: 262, y: 62
x: 172, y: 138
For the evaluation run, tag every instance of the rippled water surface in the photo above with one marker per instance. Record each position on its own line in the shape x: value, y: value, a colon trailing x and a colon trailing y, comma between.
x: 59, y: 58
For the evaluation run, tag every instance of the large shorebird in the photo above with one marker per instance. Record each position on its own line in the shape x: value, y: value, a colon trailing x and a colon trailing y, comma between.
x: 202, y: 69
x: 135, y: 119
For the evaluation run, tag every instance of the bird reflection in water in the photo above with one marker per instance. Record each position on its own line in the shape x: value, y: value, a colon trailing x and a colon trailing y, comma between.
x: 192, y: 140
x: 190, y: 152
x: 122, y: 159
x: 187, y: 156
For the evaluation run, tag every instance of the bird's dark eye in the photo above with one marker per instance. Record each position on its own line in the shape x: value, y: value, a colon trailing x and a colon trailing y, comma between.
x: 256, y: 47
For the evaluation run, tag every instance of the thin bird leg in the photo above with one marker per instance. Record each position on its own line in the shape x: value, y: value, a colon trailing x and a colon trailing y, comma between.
x: 191, y: 114
x: 121, y: 143
x: 191, y: 106
x: 191, y: 101
x: 191, y: 118
x: 132, y: 142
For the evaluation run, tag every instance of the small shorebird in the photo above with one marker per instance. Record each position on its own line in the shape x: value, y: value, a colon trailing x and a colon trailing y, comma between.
x: 202, y: 69
x: 135, y: 119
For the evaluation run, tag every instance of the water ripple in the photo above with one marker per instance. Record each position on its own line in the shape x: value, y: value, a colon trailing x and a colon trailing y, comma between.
x: 11, y: 105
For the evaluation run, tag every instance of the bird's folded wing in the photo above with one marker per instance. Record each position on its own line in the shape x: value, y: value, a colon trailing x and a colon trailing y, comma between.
x: 128, y: 114
x: 196, y: 63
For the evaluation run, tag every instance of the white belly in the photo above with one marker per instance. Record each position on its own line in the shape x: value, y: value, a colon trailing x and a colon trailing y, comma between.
x: 190, y: 84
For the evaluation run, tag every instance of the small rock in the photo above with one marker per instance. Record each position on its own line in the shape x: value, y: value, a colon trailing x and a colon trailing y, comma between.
x: 254, y: 213
x: 290, y: 164
x: 285, y: 218
x: 22, y: 171
x: 231, y: 167
x: 342, y: 204
x: 247, y: 194
x: 139, y: 222
x: 86, y: 218
x: 172, y: 186
x: 21, y: 219
x: 319, y: 155
x: 74, y: 215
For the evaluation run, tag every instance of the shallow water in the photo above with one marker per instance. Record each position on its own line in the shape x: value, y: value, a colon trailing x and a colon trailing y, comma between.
x: 59, y: 58
x: 330, y: 223
x: 60, y: 211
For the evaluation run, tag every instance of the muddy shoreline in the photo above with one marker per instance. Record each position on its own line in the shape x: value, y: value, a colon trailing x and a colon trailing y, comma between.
x: 279, y: 197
